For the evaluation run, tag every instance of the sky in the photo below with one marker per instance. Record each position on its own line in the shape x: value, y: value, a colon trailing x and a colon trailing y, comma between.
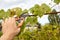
x: 26, y: 4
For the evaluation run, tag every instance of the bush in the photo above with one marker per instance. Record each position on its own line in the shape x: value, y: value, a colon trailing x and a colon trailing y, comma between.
x: 46, y: 33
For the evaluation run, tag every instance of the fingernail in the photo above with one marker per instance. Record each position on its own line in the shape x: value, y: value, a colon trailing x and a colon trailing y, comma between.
x: 18, y: 29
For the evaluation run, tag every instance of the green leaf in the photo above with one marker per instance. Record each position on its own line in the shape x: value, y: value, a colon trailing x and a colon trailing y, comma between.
x: 40, y: 10
x: 57, y: 1
x: 31, y: 20
x: 45, y: 8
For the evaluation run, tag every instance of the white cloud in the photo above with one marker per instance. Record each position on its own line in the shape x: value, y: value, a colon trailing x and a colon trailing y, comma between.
x: 8, y: 1
x: 23, y: 3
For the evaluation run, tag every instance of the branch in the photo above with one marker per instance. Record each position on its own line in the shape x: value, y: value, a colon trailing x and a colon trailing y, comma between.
x: 52, y: 13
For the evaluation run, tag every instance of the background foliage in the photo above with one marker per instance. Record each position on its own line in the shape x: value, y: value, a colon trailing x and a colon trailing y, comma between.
x: 49, y: 31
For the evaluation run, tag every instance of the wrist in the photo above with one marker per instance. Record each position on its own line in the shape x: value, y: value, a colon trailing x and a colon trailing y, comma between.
x: 6, y: 37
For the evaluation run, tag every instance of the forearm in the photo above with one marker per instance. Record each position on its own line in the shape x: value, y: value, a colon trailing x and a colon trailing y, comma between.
x: 6, y: 37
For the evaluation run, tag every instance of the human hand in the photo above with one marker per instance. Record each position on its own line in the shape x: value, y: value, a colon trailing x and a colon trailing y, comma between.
x: 9, y: 27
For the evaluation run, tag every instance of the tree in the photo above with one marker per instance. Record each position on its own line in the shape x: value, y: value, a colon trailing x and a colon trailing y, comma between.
x: 31, y: 20
x: 35, y: 10
x: 57, y: 1
x: 25, y: 11
x: 16, y: 11
x: 2, y: 13
x: 53, y: 19
x: 38, y: 25
x: 40, y: 10
x: 45, y: 8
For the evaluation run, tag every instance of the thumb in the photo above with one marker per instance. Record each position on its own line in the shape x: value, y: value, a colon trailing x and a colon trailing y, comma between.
x: 18, y: 30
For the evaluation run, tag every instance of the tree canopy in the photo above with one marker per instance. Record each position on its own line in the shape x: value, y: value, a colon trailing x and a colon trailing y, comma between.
x: 57, y: 1
x: 40, y: 10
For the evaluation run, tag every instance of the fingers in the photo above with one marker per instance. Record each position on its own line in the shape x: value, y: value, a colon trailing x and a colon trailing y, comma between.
x: 22, y: 18
x: 18, y: 30
x: 3, y: 26
x: 13, y: 20
x: 6, y: 20
x: 2, y: 23
x: 10, y: 20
